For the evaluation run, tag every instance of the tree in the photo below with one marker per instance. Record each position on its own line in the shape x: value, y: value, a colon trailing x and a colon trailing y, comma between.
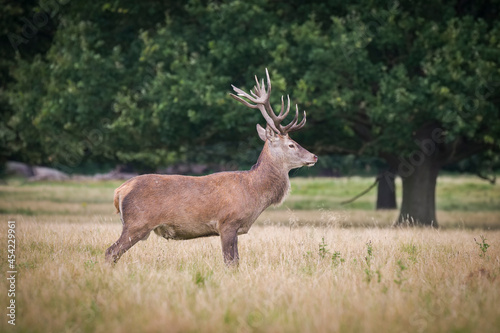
x: 386, y: 189
x: 414, y: 84
x: 24, y: 27
x: 63, y: 95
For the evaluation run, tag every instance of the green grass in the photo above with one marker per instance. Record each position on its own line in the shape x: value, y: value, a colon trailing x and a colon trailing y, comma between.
x: 461, y: 202
x: 466, y: 193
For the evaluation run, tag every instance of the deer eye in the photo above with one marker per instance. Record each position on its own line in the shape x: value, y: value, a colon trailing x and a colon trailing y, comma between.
x: 291, y: 146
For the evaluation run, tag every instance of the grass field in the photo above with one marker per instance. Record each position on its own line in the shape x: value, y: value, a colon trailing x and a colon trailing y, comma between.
x: 311, y: 265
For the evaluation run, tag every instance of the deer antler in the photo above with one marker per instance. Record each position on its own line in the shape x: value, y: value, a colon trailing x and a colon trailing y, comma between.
x: 260, y: 97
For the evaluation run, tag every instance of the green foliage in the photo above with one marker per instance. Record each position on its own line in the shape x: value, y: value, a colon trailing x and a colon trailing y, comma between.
x: 483, y: 246
x: 369, y: 253
x: 200, y: 278
x: 337, y: 259
x: 323, y: 249
x: 147, y: 83
x: 399, y: 272
x: 89, y: 264
x: 19, y: 34
x: 368, y: 260
x: 412, y: 251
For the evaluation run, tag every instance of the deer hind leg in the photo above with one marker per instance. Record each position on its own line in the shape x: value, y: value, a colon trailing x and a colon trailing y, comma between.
x: 128, y: 238
x: 229, y: 240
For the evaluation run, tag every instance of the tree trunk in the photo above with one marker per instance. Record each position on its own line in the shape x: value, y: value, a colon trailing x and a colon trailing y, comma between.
x: 386, y: 191
x: 419, y: 192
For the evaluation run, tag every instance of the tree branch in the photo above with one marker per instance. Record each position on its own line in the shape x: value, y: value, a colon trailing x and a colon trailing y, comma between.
x: 458, y: 150
x: 492, y: 180
x: 362, y: 193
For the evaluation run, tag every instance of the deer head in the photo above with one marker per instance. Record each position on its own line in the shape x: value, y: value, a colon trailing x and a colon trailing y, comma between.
x: 281, y: 146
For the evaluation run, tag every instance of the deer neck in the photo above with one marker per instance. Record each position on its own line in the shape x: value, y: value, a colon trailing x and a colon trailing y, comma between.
x: 270, y: 179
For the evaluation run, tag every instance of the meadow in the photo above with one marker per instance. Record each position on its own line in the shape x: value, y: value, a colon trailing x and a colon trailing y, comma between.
x: 310, y: 265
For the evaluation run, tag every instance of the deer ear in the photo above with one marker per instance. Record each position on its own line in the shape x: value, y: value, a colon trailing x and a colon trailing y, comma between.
x: 262, y: 132
x: 271, y: 135
x: 266, y: 134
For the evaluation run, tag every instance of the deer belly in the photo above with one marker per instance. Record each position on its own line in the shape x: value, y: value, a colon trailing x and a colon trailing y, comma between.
x: 243, y: 229
x: 187, y: 231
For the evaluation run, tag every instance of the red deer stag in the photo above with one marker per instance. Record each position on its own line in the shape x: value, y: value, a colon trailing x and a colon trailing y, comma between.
x: 225, y: 203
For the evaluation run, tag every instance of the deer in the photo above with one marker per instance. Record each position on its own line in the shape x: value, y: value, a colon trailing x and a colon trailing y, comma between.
x: 224, y: 204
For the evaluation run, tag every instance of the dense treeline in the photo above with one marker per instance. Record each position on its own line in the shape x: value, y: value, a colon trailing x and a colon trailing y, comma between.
x: 414, y: 84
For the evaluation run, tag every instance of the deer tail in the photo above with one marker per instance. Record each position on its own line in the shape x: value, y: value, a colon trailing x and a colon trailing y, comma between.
x: 117, y: 202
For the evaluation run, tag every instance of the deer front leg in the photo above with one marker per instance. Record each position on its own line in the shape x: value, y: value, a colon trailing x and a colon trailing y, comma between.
x: 229, y: 240
x: 127, y: 239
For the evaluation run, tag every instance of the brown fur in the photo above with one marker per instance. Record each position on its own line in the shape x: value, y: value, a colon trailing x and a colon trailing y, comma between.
x: 184, y: 207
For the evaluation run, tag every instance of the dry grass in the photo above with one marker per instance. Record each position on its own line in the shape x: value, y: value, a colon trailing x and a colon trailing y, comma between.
x: 415, y: 280
x: 300, y: 270
x: 374, y: 219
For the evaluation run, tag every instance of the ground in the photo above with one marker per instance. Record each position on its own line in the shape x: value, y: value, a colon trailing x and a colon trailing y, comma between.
x: 310, y: 265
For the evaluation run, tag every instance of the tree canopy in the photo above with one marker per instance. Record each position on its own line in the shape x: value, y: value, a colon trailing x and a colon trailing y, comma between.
x: 413, y: 83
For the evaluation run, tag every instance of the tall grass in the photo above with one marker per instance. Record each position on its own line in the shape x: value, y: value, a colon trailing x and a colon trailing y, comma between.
x: 299, y: 279
x: 300, y: 270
